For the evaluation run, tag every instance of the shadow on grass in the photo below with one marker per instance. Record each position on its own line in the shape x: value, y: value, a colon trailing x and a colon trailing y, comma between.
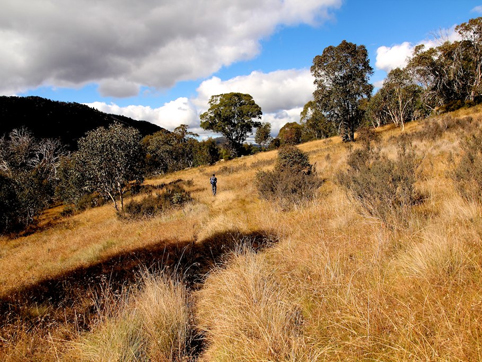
x: 72, y: 297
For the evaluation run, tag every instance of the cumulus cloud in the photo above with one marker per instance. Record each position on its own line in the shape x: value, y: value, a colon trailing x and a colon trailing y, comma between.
x: 274, y: 91
x: 169, y: 116
x: 389, y: 58
x: 280, y: 118
x: 397, y: 56
x: 123, y: 44
x: 118, y: 88
x: 280, y: 94
x: 477, y: 9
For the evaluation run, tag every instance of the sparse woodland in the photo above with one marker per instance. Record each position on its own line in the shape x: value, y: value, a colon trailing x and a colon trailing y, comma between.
x: 327, y: 251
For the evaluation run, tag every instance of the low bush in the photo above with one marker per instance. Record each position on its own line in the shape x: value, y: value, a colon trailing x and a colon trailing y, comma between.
x: 89, y: 201
x: 292, y: 181
x: 384, y: 188
x: 173, y: 196
x: 433, y: 129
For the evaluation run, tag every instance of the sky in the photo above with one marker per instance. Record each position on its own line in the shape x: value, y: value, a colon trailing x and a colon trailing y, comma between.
x: 162, y: 60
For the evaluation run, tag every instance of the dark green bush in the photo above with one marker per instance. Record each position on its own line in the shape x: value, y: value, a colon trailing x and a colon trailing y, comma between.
x: 89, y: 201
x: 384, y: 188
x: 173, y: 196
x: 10, y: 206
x: 292, y: 181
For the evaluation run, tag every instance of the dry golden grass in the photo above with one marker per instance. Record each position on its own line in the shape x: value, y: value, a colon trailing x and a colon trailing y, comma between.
x: 337, y: 286
x: 152, y: 324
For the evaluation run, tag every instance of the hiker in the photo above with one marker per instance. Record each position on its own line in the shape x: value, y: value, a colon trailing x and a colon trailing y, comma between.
x: 213, y: 181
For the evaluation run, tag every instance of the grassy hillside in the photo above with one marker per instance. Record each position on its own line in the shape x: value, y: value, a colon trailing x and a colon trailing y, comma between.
x: 237, y: 278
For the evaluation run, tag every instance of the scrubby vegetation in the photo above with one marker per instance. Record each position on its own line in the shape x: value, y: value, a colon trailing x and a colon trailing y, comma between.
x: 149, y: 206
x: 383, y: 188
x: 293, y: 180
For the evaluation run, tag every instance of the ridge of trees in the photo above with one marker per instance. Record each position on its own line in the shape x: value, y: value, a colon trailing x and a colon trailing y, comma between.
x: 65, y: 121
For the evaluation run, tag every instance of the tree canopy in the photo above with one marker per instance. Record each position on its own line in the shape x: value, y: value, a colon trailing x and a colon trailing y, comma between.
x: 314, y: 123
x: 263, y: 134
x: 109, y: 159
x: 28, y: 169
x: 341, y: 77
x: 234, y: 116
x: 290, y: 134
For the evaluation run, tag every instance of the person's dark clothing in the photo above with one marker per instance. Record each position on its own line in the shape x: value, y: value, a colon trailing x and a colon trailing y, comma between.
x: 214, y: 181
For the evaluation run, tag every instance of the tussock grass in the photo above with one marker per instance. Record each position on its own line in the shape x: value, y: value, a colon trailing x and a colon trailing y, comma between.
x: 339, y: 285
x: 153, y: 324
x: 247, y: 315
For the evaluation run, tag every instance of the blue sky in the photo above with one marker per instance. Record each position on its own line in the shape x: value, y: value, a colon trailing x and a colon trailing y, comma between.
x: 162, y: 60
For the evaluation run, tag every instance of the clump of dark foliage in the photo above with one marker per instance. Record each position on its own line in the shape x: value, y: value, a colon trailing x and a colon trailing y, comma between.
x: 383, y: 188
x: 468, y: 173
x: 173, y: 196
x: 292, y: 181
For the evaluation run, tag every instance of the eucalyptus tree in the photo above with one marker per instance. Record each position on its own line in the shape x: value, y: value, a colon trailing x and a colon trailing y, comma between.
x: 471, y: 33
x: 234, y: 115
x: 28, y: 172
x: 341, y: 77
x: 400, y: 97
x: 109, y: 159
x: 170, y: 151
x: 263, y: 135
x: 314, y: 123
x: 290, y: 134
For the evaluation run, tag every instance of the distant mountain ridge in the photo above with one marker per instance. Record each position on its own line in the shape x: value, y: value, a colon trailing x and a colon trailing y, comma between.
x: 63, y: 120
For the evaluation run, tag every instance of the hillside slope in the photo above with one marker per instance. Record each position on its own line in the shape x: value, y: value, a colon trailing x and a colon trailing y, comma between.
x: 322, y: 281
x: 66, y: 121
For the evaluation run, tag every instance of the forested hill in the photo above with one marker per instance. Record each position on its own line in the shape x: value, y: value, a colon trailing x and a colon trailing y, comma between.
x: 66, y: 121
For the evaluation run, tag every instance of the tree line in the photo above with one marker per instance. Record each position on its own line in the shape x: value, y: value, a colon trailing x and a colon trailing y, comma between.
x: 435, y: 80
x: 109, y: 162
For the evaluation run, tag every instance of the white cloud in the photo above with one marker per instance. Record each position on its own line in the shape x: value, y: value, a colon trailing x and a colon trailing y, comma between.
x: 169, y: 116
x: 397, y: 56
x: 275, y: 91
x: 389, y: 58
x: 279, y: 119
x: 477, y: 9
x: 281, y: 95
x: 136, y: 43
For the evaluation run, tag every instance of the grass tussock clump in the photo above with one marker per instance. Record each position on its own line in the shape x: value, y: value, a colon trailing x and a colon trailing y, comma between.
x: 247, y: 315
x: 151, y: 325
x: 383, y: 188
x: 173, y: 196
x: 468, y: 173
x: 292, y: 181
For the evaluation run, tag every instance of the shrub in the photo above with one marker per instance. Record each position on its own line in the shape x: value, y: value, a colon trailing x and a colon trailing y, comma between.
x: 433, y: 129
x: 10, y: 207
x: 367, y: 135
x: 468, y: 173
x: 89, y: 201
x: 384, y: 188
x: 173, y: 196
x: 292, y: 181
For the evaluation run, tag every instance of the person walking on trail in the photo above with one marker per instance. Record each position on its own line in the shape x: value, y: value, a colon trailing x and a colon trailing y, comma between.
x: 213, y: 181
